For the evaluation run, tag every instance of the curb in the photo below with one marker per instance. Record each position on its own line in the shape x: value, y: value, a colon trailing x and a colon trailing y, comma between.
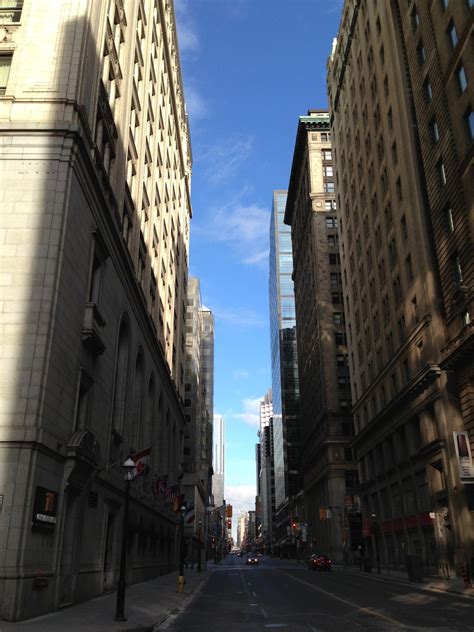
x: 421, y: 585
x: 155, y: 627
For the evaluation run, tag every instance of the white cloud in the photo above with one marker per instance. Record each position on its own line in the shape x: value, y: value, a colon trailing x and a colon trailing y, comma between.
x: 196, y: 105
x: 244, y: 227
x: 259, y: 258
x: 241, y: 497
x: 251, y: 412
x: 223, y: 159
x: 240, y: 224
x: 241, y: 374
x: 239, y: 317
x: 188, y: 37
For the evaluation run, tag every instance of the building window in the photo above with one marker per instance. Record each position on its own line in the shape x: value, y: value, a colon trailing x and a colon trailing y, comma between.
x: 325, y: 137
x: 415, y: 19
x: 469, y: 118
x: 338, y: 318
x: 10, y: 11
x: 420, y: 53
x: 458, y: 274
x: 449, y: 220
x: 5, y: 65
x: 452, y: 34
x: 434, y: 131
x: 327, y: 171
x: 330, y: 205
x: 329, y: 187
x: 334, y: 259
x: 466, y: 319
x: 427, y: 90
x: 403, y: 223
x: 327, y: 155
x: 398, y: 186
x: 441, y: 173
x: 409, y: 269
x: 397, y: 289
x: 331, y: 222
x: 390, y: 118
x: 461, y: 78
x: 444, y: 4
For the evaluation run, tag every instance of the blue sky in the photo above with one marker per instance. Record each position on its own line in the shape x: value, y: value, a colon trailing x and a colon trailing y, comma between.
x: 250, y: 68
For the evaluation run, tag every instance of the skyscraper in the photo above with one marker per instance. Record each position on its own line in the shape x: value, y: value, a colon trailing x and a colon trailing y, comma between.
x: 326, y: 422
x: 403, y: 166
x: 266, y: 473
x: 285, y: 382
x: 95, y: 220
x: 218, y: 441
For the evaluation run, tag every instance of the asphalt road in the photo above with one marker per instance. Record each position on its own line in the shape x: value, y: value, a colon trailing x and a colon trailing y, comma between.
x: 282, y: 595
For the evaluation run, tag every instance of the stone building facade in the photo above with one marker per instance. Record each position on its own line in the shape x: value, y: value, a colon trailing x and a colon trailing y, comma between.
x: 403, y: 164
x: 325, y: 401
x: 94, y: 222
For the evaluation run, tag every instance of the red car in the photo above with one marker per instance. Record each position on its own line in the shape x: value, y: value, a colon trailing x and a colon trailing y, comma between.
x: 319, y: 562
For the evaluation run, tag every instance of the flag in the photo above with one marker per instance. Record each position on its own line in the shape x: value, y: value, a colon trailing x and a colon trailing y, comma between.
x: 177, y: 502
x: 159, y: 485
x: 189, y: 515
x: 139, y: 458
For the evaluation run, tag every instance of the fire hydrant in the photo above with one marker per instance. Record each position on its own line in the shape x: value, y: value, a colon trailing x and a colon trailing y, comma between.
x: 181, y: 582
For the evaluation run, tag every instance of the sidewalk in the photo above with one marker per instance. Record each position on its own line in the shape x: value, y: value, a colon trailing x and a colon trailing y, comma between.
x: 451, y: 585
x: 146, y: 604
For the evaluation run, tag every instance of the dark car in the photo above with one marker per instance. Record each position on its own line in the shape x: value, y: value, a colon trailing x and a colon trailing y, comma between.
x: 319, y: 562
x: 251, y: 559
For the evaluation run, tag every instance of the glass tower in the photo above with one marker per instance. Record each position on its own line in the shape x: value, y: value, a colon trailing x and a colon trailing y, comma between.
x: 285, y: 385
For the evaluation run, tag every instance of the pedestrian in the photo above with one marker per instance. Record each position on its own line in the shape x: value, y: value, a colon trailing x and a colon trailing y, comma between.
x: 360, y: 548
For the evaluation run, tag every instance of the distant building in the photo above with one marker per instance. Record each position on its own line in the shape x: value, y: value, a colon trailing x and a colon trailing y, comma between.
x: 218, y: 440
x: 403, y: 161
x: 329, y: 473
x: 285, y: 380
x: 197, y: 451
x: 266, y: 476
x: 94, y: 219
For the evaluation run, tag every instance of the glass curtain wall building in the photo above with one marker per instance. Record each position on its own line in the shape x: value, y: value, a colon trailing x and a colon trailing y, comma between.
x: 285, y: 385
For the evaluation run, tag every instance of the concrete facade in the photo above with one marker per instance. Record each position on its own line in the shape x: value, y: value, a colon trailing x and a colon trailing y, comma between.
x: 403, y: 165
x: 325, y: 403
x: 94, y: 225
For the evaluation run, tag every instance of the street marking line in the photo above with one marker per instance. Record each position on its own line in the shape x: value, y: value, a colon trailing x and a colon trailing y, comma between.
x: 348, y: 603
x: 254, y: 594
x: 264, y: 613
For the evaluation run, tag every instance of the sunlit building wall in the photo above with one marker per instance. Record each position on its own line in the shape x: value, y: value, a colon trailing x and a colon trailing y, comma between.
x: 95, y: 214
x: 285, y: 383
x: 266, y: 475
x: 218, y: 440
x: 404, y: 180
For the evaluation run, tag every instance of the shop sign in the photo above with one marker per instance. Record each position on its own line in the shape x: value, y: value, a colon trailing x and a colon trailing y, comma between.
x: 463, y: 453
x: 45, y: 510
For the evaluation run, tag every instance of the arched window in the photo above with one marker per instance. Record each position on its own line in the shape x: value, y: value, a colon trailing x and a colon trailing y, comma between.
x: 120, y: 381
x: 136, y: 416
x: 147, y: 432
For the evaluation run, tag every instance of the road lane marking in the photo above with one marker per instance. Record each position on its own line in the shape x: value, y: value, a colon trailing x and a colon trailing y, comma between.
x: 349, y: 603
x: 264, y: 613
x: 254, y: 594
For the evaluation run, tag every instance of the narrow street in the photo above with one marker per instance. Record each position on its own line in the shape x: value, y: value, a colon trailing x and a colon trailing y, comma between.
x: 281, y: 594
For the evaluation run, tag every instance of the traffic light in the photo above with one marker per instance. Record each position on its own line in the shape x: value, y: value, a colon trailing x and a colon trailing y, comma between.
x: 229, y: 523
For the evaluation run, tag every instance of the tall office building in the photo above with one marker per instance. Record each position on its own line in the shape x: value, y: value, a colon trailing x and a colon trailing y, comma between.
x: 325, y: 402
x: 403, y: 165
x: 285, y: 381
x: 218, y: 441
x: 96, y: 162
x: 266, y: 473
x: 197, y: 453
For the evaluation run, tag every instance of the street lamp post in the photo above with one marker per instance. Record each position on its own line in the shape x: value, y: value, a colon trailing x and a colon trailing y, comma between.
x: 129, y: 467
x: 375, y: 531
x: 181, y: 550
x: 200, y: 545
